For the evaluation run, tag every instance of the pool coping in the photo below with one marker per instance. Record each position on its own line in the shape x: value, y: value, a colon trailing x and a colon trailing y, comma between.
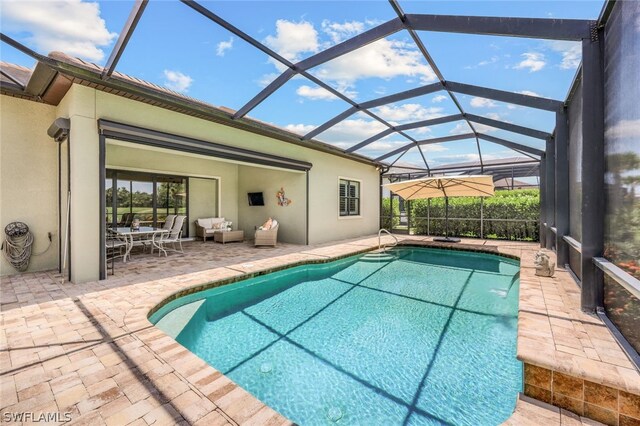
x: 242, y: 407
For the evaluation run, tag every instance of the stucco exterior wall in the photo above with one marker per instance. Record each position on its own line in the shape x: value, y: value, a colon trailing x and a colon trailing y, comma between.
x: 26, y: 122
x: 292, y: 218
x: 324, y: 221
x: 29, y: 177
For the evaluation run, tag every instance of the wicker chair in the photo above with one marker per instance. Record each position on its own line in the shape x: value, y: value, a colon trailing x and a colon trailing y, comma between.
x: 268, y: 237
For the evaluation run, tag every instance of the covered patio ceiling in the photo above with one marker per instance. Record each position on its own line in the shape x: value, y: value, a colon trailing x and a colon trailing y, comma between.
x: 480, y: 134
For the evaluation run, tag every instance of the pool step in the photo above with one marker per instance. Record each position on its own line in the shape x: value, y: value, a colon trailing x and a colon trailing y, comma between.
x: 379, y: 256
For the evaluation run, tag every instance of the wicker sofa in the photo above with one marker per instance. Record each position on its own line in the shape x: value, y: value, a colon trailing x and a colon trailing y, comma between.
x: 205, y: 227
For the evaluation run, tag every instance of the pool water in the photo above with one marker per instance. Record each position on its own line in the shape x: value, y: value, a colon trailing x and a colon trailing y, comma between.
x: 424, y: 336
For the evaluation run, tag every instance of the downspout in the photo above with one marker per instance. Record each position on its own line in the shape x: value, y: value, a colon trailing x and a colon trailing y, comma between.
x: 102, y: 229
x: 306, y: 240
x: 60, y: 208
x: 380, y: 204
x: 382, y: 170
x: 68, y: 233
x: 59, y: 131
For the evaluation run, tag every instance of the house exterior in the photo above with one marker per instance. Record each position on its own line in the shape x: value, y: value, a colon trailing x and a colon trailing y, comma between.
x: 129, y: 132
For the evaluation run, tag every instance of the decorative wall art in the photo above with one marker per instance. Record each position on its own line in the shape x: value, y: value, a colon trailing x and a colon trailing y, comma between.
x: 282, y: 199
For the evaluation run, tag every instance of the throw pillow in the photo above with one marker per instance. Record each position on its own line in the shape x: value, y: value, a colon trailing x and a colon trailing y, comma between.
x: 274, y: 223
x: 267, y: 224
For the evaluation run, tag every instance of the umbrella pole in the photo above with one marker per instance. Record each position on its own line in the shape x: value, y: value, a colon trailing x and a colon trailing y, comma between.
x: 446, y: 217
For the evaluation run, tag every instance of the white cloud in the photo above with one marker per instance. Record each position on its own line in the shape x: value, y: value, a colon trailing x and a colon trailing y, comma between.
x: 524, y: 92
x: 349, y: 132
x: 378, y: 148
x: 380, y: 90
x: 460, y: 129
x: 438, y: 99
x: 342, y: 31
x: 293, y: 38
x: 315, y: 93
x: 493, y: 115
x: 345, y: 133
x: 381, y: 147
x: 458, y: 158
x: 383, y: 59
x: 422, y: 130
x: 461, y: 158
x: 223, y: 46
x: 478, y: 102
x: 434, y: 147
x: 571, y: 52
x: 266, y: 79
x: 384, y: 145
x: 624, y: 129
x: 352, y: 131
x: 493, y: 60
x: 407, y: 112
x: 533, y: 61
x: 177, y: 81
x: 300, y: 129
x: 70, y: 26
x: 483, y: 128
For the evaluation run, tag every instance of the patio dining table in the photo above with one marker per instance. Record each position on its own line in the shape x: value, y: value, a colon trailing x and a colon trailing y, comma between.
x: 144, y: 234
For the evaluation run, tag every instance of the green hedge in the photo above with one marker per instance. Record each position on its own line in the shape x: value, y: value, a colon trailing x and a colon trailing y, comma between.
x: 516, y: 204
x: 386, y: 214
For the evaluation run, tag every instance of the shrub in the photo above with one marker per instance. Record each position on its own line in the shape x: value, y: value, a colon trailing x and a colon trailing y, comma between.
x: 385, y: 214
x: 516, y: 204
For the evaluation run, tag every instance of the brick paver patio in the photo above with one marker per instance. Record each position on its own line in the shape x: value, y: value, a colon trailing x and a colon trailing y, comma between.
x: 89, y: 350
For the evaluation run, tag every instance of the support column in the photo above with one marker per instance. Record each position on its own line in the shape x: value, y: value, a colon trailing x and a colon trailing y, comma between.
x: 85, y: 200
x: 562, y: 186
x: 550, y: 185
x: 592, y: 170
x: 543, y: 196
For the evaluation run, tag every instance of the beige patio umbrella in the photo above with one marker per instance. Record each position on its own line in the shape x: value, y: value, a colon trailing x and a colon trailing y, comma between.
x: 444, y: 186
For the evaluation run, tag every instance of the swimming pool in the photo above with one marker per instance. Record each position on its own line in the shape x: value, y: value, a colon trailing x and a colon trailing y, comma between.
x: 423, y: 336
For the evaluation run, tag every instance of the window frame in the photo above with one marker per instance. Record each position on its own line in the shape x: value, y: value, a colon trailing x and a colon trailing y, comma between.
x: 349, y: 214
x: 153, y: 176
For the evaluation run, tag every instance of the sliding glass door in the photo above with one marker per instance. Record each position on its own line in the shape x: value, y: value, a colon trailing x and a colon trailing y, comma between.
x: 145, y: 196
x: 171, y: 197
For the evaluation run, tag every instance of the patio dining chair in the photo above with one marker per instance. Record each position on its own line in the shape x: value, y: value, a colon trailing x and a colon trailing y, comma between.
x: 115, y: 248
x: 173, y: 237
x: 126, y: 220
x: 168, y: 222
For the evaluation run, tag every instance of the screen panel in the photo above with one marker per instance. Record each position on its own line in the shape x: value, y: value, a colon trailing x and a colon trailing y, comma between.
x: 575, y: 176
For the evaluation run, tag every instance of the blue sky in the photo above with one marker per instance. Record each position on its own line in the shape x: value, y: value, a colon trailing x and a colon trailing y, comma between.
x: 176, y: 47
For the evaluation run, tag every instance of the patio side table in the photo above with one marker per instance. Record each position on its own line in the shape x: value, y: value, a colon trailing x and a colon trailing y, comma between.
x: 228, y: 236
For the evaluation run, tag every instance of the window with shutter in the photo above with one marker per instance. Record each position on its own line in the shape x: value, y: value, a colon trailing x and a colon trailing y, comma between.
x: 349, y: 198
